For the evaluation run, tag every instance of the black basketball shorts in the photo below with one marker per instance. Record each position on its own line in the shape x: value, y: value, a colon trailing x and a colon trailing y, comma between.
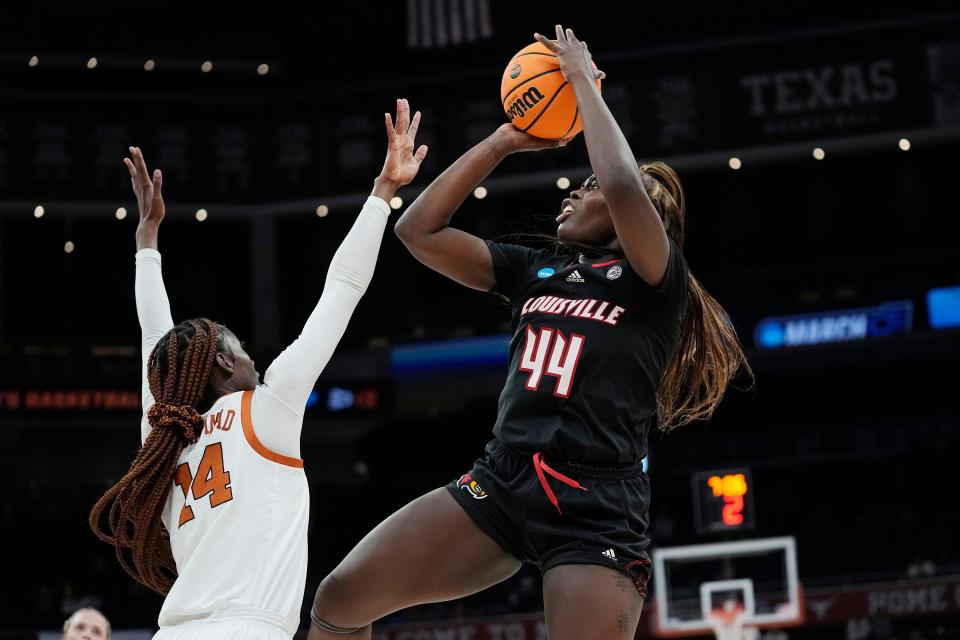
x: 550, y: 513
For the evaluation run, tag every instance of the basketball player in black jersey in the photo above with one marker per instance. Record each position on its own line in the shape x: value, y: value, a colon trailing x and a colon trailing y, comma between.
x: 609, y: 340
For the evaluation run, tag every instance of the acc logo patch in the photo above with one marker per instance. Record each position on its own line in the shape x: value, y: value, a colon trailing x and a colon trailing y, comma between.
x: 614, y: 272
x: 468, y: 484
x: 546, y: 272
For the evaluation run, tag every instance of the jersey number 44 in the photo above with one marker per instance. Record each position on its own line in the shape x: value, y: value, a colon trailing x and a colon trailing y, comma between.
x: 549, y: 352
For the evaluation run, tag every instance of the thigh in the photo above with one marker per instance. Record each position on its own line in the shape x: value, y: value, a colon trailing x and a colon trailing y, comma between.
x: 428, y: 551
x: 582, y: 601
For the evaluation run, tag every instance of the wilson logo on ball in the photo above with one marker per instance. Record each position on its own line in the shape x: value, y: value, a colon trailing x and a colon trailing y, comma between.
x: 524, y: 103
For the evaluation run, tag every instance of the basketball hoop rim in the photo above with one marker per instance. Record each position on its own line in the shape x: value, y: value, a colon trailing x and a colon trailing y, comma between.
x: 727, y: 617
x: 799, y: 620
x: 729, y: 625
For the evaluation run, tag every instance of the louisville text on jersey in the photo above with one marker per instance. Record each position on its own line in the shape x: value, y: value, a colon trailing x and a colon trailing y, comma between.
x: 588, y: 308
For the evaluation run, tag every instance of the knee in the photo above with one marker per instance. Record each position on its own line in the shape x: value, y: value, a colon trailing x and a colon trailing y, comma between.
x: 333, y: 593
x: 336, y: 603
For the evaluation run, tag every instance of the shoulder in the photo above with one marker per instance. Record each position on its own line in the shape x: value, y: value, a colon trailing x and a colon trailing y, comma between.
x: 675, y: 276
x: 261, y: 409
x: 514, y: 250
x: 519, y: 255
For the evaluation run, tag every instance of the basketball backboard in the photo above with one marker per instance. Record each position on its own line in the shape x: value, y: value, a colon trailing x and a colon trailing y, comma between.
x: 758, y: 577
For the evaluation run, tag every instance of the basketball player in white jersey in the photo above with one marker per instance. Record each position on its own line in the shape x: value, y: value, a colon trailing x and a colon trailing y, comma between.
x: 213, y: 512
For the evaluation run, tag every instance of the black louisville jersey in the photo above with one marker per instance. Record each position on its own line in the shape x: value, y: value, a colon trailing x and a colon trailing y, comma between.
x: 590, y: 343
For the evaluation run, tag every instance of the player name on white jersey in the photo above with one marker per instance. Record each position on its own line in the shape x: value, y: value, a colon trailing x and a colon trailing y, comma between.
x: 587, y: 308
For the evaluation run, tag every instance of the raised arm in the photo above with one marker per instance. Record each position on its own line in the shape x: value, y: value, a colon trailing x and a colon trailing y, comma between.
x: 635, y: 219
x: 153, y: 306
x: 424, y: 229
x: 292, y: 375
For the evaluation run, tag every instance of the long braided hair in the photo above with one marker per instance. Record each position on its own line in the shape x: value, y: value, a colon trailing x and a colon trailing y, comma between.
x: 178, y: 372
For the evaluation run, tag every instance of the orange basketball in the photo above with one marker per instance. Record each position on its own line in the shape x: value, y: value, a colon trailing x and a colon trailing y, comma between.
x: 537, y: 98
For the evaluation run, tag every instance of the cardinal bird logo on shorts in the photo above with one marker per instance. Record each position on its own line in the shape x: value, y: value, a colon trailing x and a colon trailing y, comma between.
x: 468, y: 484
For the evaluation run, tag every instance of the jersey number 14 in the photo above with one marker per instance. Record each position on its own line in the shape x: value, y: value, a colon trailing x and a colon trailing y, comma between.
x: 549, y: 352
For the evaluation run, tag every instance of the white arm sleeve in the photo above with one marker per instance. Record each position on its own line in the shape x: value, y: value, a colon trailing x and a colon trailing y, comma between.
x: 290, y: 378
x: 153, y: 311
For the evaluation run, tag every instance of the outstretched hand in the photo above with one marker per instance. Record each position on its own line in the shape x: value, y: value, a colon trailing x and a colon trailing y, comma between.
x: 402, y: 164
x: 147, y: 189
x: 572, y: 54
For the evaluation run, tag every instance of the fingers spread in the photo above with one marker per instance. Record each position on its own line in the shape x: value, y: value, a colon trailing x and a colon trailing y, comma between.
x: 130, y: 167
x: 420, y: 154
x: 547, y: 42
x: 403, y: 115
x: 157, y: 181
x: 391, y: 131
x: 141, y: 165
x: 414, y: 125
x: 560, y: 35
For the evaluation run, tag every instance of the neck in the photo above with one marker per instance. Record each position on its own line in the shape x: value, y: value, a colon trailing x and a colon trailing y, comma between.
x: 613, y: 246
x: 603, y: 258
x: 214, y: 392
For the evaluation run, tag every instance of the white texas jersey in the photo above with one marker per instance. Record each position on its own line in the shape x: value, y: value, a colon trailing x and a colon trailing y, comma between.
x: 238, y: 506
x: 237, y: 516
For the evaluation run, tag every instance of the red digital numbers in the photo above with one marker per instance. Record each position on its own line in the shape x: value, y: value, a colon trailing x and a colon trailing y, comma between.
x: 724, y: 500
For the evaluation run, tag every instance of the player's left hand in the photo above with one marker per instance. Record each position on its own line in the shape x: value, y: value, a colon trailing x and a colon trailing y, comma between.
x: 402, y: 164
x: 572, y: 54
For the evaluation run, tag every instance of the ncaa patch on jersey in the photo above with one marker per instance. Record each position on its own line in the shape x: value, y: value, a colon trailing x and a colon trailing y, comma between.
x: 614, y: 272
x: 469, y: 485
x: 546, y: 272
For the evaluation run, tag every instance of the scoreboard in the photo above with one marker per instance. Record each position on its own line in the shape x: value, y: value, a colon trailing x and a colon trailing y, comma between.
x: 723, y: 500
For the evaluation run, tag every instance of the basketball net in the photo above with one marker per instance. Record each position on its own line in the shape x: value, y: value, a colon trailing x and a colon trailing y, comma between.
x: 727, y: 624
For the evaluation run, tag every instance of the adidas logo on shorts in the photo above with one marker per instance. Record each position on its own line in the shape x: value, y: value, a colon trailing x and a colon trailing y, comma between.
x: 610, y: 554
x: 574, y: 277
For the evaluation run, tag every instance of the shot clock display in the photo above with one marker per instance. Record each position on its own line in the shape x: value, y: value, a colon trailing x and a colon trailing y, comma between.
x: 723, y: 500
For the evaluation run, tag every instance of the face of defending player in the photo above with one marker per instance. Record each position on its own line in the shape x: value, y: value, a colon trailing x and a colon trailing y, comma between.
x: 235, y: 364
x: 584, y: 217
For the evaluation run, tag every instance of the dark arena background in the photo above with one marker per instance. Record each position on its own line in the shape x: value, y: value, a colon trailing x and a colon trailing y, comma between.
x: 818, y: 145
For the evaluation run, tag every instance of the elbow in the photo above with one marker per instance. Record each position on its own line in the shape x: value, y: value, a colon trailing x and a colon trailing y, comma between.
x: 406, y: 227
x: 402, y: 230
x: 411, y: 232
x: 406, y: 235
x: 348, y: 281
